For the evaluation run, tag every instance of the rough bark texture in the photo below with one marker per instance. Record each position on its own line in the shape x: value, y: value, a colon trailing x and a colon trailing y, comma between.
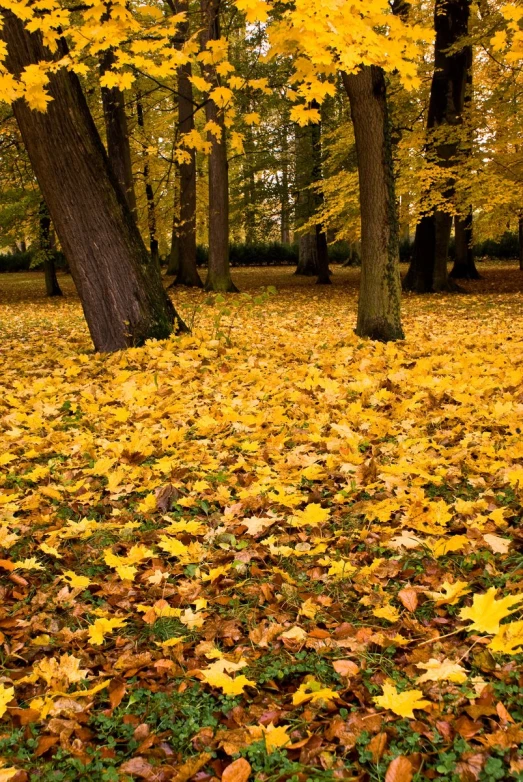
x: 121, y: 291
x: 428, y: 269
x: 219, y: 273
x: 117, y: 135
x: 186, y: 245
x: 464, y: 265
x: 380, y: 289
x: 52, y: 286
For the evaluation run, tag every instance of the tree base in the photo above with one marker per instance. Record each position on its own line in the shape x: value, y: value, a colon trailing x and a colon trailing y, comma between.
x: 462, y: 271
x: 188, y: 281
x: 219, y: 286
x: 324, y: 280
x: 379, y: 330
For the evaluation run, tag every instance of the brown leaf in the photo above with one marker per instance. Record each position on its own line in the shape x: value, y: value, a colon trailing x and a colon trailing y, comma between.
x: 400, y: 770
x: 409, y: 598
x: 345, y: 667
x: 117, y: 690
x: 189, y: 769
x: 129, y: 661
x: 139, y: 767
x: 165, y: 496
x: 470, y: 766
x: 45, y: 743
x: 503, y: 714
x: 377, y: 746
x: 239, y: 771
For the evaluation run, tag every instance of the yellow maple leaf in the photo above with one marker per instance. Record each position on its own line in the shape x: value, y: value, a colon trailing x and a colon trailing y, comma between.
x: 226, y: 683
x: 387, y: 612
x: 75, y: 581
x: 6, y: 694
x: 445, y: 546
x: 486, y: 612
x: 445, y: 670
x: 509, y: 639
x: 7, y: 773
x: 450, y: 593
x: 148, y: 504
x: 275, y: 737
x: 102, y: 627
x: 401, y: 703
x: 314, y: 691
x: 312, y: 515
x: 173, y: 547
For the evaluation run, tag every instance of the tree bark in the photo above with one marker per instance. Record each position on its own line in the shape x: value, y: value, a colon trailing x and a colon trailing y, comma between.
x: 428, y: 269
x: 117, y: 135
x: 187, y: 270
x: 52, y: 286
x: 121, y: 291
x: 149, y: 192
x: 379, y: 307
x: 218, y: 273
x: 307, y: 246
x: 322, y: 253
x: 464, y: 265
x: 520, y: 234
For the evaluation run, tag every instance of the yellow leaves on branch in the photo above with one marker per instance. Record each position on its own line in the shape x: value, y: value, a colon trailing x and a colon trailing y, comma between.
x: 486, y: 612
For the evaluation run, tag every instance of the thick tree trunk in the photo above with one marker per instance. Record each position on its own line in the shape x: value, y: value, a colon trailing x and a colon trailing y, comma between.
x: 187, y: 273
x: 117, y: 134
x: 52, y: 286
x: 307, y: 246
x: 464, y: 265
x: 520, y: 233
x: 380, y: 289
x: 447, y: 98
x: 219, y: 273
x: 307, y: 255
x: 121, y: 291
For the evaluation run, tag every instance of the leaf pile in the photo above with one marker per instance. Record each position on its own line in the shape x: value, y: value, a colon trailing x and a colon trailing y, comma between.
x: 293, y: 554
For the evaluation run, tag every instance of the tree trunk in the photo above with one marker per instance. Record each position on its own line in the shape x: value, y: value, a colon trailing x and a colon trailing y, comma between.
x: 218, y: 273
x: 305, y: 203
x: 307, y: 255
x: 447, y: 98
x: 187, y: 270
x: 520, y: 233
x: 117, y: 134
x: 149, y: 193
x: 322, y: 253
x: 285, y: 228
x: 380, y: 289
x: 52, y: 286
x: 464, y: 265
x: 121, y: 291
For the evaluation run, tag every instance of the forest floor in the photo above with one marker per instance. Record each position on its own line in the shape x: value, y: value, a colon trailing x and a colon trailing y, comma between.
x: 268, y: 550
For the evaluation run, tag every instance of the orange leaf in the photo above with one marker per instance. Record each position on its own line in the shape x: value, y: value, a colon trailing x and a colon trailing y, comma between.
x: 409, y: 598
x: 239, y: 771
x: 345, y: 667
x: 400, y: 770
x: 117, y: 690
x: 377, y: 746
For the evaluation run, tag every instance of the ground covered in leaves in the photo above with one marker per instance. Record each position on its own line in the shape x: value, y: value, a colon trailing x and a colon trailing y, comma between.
x: 269, y: 550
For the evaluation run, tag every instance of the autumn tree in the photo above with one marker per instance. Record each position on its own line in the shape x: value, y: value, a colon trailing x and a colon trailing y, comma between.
x: 452, y: 63
x: 120, y: 289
